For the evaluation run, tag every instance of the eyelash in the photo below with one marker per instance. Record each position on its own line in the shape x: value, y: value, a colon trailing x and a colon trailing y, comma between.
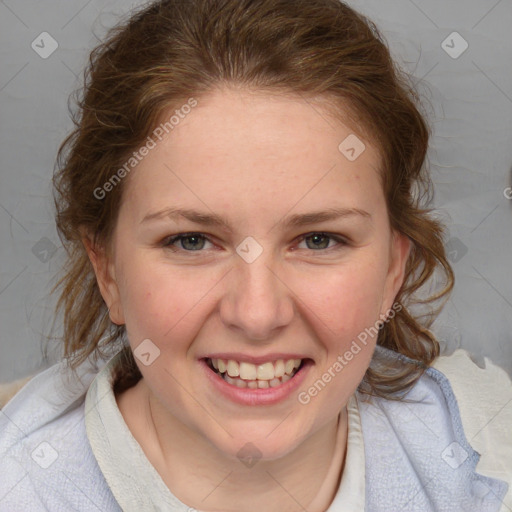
x: 169, y: 241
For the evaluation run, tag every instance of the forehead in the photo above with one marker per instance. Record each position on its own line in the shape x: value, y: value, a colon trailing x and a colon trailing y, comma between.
x: 238, y: 145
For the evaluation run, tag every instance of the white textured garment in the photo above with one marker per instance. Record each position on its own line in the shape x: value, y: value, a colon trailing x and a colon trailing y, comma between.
x: 66, y: 447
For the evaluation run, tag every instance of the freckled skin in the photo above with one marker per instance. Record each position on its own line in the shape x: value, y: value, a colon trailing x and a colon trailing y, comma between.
x: 255, y: 159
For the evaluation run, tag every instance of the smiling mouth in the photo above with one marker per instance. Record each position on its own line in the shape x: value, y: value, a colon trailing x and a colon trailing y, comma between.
x: 246, y: 375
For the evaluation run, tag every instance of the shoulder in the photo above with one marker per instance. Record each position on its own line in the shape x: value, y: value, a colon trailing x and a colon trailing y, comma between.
x: 9, y: 389
x: 484, y: 395
x: 484, y: 399
x: 46, y: 461
x: 432, y: 434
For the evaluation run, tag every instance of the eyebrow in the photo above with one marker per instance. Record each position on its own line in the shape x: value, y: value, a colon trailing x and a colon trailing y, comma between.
x: 295, y: 220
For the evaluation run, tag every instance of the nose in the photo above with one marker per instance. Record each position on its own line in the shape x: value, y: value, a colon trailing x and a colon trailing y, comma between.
x: 258, y: 301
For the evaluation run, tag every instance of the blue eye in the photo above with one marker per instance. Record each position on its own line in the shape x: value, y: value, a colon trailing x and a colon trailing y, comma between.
x: 189, y: 241
x: 195, y: 242
x: 319, y: 239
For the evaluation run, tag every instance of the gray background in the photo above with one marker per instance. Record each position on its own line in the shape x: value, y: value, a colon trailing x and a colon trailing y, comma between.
x: 468, y: 97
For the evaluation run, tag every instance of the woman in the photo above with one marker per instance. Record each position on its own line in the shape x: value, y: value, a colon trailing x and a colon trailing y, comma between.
x: 242, y: 205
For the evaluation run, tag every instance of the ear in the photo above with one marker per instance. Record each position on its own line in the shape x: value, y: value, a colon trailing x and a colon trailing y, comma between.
x: 399, y: 255
x: 105, y: 277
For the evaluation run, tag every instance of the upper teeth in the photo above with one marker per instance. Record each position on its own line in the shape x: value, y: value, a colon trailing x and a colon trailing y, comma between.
x: 248, y: 371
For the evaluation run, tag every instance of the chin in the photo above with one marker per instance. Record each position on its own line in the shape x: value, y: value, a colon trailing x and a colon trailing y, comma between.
x: 249, y: 449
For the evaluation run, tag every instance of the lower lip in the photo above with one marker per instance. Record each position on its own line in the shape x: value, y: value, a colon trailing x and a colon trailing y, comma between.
x: 266, y: 396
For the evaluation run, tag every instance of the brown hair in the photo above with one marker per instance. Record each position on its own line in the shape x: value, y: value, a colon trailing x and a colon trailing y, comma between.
x: 175, y: 49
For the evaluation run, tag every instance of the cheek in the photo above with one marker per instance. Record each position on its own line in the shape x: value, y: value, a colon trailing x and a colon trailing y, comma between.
x: 150, y: 303
x: 163, y: 305
x: 347, y: 300
x: 344, y: 311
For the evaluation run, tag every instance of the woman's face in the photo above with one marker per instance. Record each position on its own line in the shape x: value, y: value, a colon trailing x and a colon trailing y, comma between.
x: 264, y: 284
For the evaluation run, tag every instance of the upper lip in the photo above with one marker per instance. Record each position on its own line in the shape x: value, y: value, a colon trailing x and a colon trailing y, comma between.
x: 237, y: 356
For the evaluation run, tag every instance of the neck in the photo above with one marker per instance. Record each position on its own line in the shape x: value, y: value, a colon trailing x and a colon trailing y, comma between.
x: 203, y: 477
